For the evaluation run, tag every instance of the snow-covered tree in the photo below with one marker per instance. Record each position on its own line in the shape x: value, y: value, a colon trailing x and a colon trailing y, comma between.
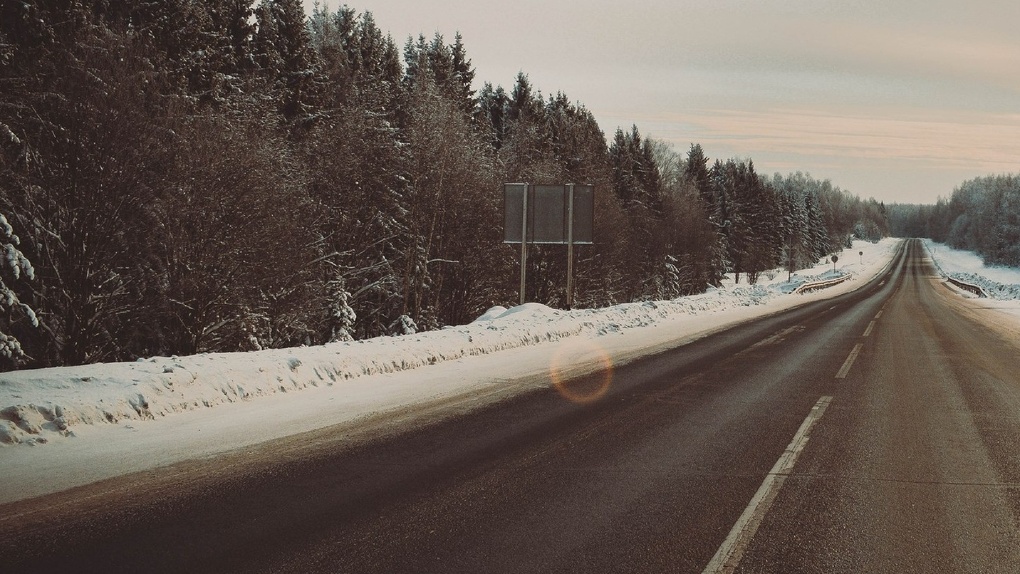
x: 14, y: 267
x: 696, y: 170
x: 817, y: 233
x: 795, y: 248
x: 283, y: 51
x: 341, y: 315
x: 983, y: 215
x: 403, y: 325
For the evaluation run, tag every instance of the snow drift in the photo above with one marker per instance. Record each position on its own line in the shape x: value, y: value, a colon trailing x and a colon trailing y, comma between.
x: 39, y: 406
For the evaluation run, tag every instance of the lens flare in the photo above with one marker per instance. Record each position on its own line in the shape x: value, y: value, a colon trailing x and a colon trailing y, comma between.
x: 581, y: 371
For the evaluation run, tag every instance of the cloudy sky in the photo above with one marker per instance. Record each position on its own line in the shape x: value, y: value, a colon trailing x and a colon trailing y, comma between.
x: 900, y: 100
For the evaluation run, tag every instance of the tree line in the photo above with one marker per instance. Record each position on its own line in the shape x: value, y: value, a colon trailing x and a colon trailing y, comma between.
x: 183, y: 176
x: 981, y: 215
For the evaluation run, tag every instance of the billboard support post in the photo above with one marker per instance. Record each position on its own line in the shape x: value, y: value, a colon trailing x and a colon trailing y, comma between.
x: 570, y: 246
x: 524, y: 244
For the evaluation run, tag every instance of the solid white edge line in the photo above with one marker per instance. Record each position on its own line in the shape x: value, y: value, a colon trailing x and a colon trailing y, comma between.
x: 729, y: 554
x: 849, y: 362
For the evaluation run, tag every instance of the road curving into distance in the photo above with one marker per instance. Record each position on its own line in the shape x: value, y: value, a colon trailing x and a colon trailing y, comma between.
x: 878, y: 431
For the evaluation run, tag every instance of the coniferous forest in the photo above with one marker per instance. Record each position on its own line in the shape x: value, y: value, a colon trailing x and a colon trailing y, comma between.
x: 982, y: 215
x: 182, y: 176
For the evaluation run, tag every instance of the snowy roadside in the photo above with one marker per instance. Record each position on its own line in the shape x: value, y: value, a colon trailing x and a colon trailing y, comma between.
x: 63, y: 427
x: 1000, y: 283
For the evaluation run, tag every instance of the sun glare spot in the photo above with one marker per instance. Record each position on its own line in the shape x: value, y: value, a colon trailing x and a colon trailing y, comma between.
x: 581, y: 371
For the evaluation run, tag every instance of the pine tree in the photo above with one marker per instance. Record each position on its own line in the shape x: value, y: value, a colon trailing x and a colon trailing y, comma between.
x: 95, y: 155
x: 379, y: 72
x: 491, y: 113
x: 621, y: 155
x: 696, y: 171
x: 524, y: 104
x: 446, y: 66
x: 441, y: 66
x: 649, y: 177
x: 463, y: 76
x: 698, y: 174
x: 356, y: 165
x: 341, y: 316
x: 449, y: 210
x: 232, y: 31
x: 282, y: 49
x: 817, y: 235
x: 14, y: 268
x: 415, y: 59
x: 768, y: 229
x: 526, y: 152
x: 795, y: 245
x: 361, y: 66
x: 635, y: 173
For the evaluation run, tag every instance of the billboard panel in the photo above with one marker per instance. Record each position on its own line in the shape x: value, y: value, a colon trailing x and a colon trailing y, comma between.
x: 547, y: 213
x: 548, y: 209
x: 584, y: 214
x: 513, y: 211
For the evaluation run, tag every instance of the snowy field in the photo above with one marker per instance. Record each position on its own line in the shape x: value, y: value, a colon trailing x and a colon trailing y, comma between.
x: 64, y: 427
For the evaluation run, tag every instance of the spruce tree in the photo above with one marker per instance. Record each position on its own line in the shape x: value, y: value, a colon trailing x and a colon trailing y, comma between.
x: 491, y: 113
x: 463, y: 76
x: 282, y: 47
x: 696, y: 171
x: 14, y: 268
x: 817, y: 235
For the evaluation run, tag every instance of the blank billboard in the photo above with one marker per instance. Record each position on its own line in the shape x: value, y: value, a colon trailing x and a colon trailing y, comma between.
x: 548, y: 209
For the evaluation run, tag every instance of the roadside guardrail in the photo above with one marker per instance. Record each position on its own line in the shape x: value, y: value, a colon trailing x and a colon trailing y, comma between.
x: 975, y: 289
x: 812, y: 286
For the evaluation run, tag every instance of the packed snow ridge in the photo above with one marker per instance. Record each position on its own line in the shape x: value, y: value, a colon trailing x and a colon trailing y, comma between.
x: 39, y: 406
x: 44, y: 402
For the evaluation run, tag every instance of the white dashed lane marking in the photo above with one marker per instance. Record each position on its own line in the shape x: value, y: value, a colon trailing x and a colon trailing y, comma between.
x: 729, y: 554
x: 849, y: 362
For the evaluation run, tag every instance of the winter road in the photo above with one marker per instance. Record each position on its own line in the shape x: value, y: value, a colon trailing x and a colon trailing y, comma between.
x: 874, y: 432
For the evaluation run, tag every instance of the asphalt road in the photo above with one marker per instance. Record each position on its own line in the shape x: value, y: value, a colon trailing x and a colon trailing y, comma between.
x: 874, y: 432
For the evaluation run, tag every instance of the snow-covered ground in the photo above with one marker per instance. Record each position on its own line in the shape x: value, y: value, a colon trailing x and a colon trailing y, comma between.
x: 64, y: 427
x: 1001, y: 283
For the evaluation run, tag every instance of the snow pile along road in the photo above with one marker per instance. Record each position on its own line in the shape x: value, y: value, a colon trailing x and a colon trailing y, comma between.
x: 1001, y: 283
x: 50, y: 405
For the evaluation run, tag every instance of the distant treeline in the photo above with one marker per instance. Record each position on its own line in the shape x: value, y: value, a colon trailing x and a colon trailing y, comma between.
x: 214, y: 175
x: 982, y: 215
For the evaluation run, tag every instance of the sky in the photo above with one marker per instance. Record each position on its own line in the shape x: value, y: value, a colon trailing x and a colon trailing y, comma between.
x: 900, y: 100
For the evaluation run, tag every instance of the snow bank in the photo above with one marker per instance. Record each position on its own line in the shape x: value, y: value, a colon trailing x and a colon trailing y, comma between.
x: 1001, y: 283
x: 46, y: 405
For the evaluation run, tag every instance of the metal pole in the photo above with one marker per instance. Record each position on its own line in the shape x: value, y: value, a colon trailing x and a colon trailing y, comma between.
x: 570, y: 246
x: 524, y: 243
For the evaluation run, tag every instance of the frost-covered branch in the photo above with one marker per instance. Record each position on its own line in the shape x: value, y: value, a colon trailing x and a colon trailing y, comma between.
x: 14, y: 267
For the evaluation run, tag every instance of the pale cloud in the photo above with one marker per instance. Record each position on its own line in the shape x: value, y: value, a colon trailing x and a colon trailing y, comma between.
x: 968, y: 60
x: 905, y: 157
x: 883, y: 97
x: 986, y: 142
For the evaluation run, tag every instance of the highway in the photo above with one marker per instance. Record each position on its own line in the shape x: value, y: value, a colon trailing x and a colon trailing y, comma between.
x: 877, y: 431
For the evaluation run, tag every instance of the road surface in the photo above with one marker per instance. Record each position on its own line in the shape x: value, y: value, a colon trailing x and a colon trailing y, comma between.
x: 874, y: 432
